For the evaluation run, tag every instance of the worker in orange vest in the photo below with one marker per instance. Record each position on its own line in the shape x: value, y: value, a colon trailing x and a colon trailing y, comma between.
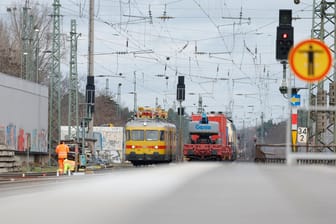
x: 62, y: 151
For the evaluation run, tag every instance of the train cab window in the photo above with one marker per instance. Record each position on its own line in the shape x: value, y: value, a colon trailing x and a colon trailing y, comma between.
x: 137, y: 135
x: 162, y: 135
x: 128, y: 135
x: 152, y: 135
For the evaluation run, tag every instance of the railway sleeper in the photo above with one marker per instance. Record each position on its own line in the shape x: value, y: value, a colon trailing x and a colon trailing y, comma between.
x: 328, y: 162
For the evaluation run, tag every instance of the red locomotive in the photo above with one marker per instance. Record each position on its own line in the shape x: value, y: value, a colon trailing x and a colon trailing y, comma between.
x: 212, y: 137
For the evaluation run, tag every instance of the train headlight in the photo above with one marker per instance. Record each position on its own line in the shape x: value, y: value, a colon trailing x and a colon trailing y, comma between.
x: 133, y: 146
x: 156, y: 147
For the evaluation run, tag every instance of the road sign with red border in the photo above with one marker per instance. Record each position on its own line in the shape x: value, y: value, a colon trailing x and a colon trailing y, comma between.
x: 310, y: 60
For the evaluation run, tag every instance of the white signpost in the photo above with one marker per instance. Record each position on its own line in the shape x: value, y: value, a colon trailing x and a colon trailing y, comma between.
x: 302, y: 135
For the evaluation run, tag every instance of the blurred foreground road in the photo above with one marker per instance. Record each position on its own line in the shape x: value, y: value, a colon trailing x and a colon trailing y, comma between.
x: 177, y: 193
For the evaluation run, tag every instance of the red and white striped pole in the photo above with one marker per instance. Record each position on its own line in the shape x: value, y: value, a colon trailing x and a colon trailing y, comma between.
x: 294, y: 127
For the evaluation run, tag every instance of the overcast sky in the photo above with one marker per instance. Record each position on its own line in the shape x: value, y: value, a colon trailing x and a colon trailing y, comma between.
x: 224, y: 48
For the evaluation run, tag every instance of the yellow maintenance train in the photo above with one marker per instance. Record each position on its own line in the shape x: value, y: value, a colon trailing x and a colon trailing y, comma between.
x: 150, y: 138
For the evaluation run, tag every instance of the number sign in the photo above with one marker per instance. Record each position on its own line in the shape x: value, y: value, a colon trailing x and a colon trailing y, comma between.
x: 302, y: 135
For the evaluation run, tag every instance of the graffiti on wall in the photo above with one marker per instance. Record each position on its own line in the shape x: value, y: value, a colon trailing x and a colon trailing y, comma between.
x: 98, y: 144
x: 2, y: 135
x: 21, y: 140
x: 11, y: 135
x: 110, y: 138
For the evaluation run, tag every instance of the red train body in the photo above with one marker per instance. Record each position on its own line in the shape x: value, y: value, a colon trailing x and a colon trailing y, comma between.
x: 212, y: 137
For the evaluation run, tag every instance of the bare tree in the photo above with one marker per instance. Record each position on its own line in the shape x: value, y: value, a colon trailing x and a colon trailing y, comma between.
x: 37, y: 19
x: 39, y: 39
x: 9, y: 60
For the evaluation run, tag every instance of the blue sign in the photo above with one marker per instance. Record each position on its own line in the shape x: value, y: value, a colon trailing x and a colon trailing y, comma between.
x: 295, y: 100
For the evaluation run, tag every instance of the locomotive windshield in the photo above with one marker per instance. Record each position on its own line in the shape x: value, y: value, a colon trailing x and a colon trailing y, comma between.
x: 152, y: 135
x: 145, y: 135
x: 137, y: 135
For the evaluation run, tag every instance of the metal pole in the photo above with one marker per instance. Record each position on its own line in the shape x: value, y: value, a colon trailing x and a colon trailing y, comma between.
x: 24, y: 43
x: 83, y: 139
x: 28, y: 160
x: 30, y: 58
x: 262, y: 128
x: 107, y: 87
x: 91, y: 67
x: 289, y: 121
x: 73, y: 116
x: 37, y: 55
x: 323, y: 28
x: 180, y: 151
x: 91, y: 39
x: 55, y: 85
x: 119, y: 99
x: 135, y: 96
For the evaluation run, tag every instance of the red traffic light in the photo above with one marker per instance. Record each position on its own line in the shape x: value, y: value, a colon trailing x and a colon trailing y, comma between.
x: 284, y: 41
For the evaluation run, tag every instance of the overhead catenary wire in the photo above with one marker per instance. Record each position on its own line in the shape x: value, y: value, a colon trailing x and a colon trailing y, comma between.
x: 164, y: 38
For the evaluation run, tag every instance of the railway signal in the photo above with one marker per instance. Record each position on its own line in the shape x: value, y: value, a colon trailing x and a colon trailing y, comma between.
x: 90, y: 95
x: 180, y: 96
x: 285, y: 34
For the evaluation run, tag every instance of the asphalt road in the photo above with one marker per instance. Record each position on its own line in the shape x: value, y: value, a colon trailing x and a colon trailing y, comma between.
x: 209, y: 192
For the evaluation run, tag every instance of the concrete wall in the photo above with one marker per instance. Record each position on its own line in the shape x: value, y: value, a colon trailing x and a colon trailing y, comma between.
x: 23, y: 114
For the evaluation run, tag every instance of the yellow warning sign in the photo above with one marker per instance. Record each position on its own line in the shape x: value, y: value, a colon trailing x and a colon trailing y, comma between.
x: 310, y: 60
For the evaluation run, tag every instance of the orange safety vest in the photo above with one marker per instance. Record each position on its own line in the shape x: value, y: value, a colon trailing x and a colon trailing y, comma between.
x: 62, y: 151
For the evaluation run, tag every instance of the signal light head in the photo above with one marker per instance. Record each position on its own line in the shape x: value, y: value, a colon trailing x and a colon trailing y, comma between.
x: 285, y: 39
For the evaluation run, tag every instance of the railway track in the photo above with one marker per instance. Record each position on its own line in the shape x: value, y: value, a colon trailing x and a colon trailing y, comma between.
x: 276, y: 153
x: 31, y: 176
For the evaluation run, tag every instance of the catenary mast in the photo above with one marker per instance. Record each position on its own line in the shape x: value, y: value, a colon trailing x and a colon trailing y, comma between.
x: 73, y: 118
x: 55, y: 80
x: 321, y: 123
